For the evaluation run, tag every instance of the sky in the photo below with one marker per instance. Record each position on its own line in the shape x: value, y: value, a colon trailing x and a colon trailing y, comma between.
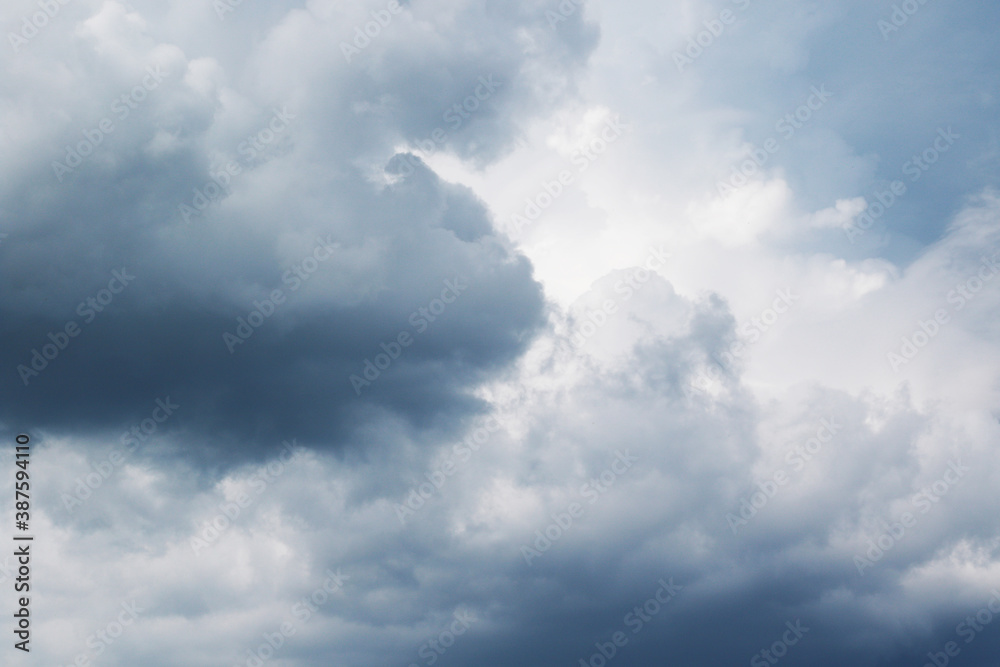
x: 523, y: 332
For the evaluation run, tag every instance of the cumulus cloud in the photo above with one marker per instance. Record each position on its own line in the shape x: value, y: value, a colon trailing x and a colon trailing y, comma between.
x: 486, y: 333
x: 224, y: 204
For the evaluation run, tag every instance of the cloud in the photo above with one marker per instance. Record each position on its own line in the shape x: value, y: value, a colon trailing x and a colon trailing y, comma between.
x: 214, y: 199
x: 308, y: 391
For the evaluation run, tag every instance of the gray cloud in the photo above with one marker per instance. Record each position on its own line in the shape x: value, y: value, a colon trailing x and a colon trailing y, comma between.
x: 290, y: 174
x: 271, y: 243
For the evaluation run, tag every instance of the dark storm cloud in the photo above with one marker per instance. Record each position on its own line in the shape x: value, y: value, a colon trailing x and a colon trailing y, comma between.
x: 163, y: 333
x: 206, y: 218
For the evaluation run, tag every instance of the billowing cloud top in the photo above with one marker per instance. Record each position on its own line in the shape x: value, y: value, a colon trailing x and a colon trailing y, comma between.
x: 502, y: 333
